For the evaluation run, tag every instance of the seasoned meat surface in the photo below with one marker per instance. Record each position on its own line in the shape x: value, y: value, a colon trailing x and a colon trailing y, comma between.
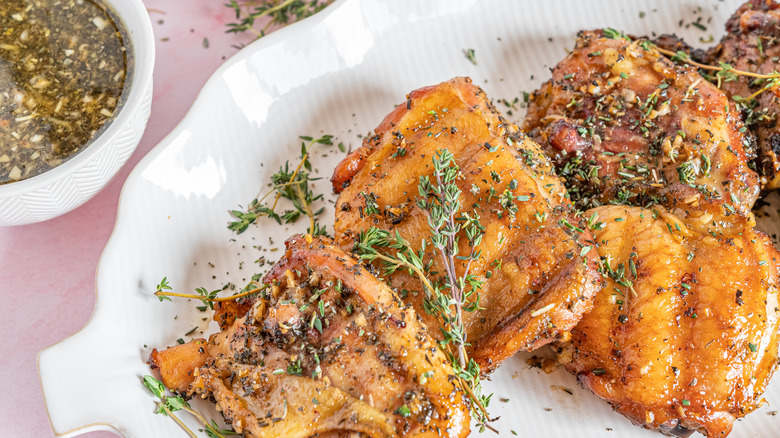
x: 534, y: 257
x: 752, y: 43
x: 625, y: 125
x: 685, y: 335
x: 328, y: 350
x: 676, y: 44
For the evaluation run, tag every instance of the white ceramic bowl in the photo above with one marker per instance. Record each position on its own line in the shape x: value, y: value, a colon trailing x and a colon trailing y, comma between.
x: 67, y: 186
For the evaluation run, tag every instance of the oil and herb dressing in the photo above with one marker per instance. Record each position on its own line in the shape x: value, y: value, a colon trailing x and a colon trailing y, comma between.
x: 63, y: 65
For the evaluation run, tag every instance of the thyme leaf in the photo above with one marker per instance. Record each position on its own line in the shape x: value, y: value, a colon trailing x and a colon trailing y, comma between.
x: 471, y: 55
x: 163, y: 285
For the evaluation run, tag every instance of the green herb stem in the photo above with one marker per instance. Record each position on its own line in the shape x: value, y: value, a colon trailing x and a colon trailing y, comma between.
x: 688, y: 60
x: 161, y: 293
x: 448, y: 297
x: 181, y: 424
x: 167, y: 405
x: 401, y: 264
x: 292, y: 178
x: 214, y: 432
x: 271, y: 11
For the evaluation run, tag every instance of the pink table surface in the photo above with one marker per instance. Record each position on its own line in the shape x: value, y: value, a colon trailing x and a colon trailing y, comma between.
x: 47, y: 270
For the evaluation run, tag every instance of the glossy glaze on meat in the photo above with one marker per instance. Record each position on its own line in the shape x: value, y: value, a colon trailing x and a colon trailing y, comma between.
x: 328, y: 351
x: 685, y: 335
x: 627, y: 126
x: 539, y: 276
x: 752, y: 43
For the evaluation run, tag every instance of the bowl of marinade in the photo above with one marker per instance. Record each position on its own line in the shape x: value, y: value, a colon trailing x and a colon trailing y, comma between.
x: 75, y: 96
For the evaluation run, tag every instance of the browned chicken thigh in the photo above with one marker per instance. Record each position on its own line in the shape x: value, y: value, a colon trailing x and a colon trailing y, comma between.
x: 535, y: 260
x: 752, y: 43
x: 328, y: 350
x: 625, y: 125
x: 685, y: 335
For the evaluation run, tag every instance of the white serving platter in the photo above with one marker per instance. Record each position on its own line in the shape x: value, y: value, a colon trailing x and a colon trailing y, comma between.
x: 338, y: 73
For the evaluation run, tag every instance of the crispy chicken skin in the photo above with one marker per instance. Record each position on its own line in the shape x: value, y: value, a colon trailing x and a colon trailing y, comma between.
x: 625, y: 125
x: 539, y: 278
x: 329, y: 351
x: 685, y: 335
x: 751, y: 43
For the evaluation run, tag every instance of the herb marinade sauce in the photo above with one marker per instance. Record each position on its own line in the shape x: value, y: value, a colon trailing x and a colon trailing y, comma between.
x: 63, y: 65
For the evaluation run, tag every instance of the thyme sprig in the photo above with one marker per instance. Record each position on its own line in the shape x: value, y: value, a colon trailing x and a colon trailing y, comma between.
x: 281, y: 13
x: 442, y: 204
x: 447, y: 296
x: 293, y: 185
x: 168, y: 404
x: 725, y: 72
x: 206, y: 297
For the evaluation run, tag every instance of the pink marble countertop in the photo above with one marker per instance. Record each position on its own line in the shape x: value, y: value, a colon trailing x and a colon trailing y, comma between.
x: 48, y: 269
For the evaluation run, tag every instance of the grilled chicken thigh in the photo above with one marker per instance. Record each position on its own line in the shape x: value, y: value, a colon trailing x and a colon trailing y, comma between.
x: 752, y: 43
x: 685, y: 335
x: 534, y: 257
x: 625, y: 125
x: 328, y: 351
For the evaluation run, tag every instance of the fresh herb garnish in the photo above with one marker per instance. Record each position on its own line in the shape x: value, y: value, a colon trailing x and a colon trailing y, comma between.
x: 207, y: 298
x: 471, y: 55
x: 687, y: 172
x: 281, y: 12
x: 291, y: 185
x: 295, y: 368
x: 447, y: 296
x: 613, y: 34
x: 161, y: 287
x: 403, y: 411
x: 168, y: 404
x: 214, y: 431
x: 725, y: 72
x: 372, y: 207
